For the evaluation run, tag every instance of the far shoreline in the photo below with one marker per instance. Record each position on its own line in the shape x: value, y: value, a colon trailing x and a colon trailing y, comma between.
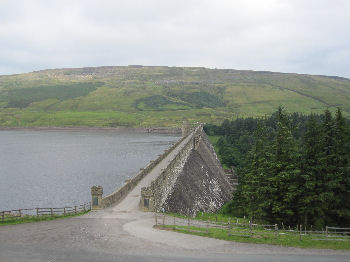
x: 152, y: 130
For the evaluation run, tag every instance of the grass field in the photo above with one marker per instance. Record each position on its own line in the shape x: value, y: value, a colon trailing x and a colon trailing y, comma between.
x: 30, y: 219
x: 237, y: 229
x: 160, y: 96
x: 263, y: 237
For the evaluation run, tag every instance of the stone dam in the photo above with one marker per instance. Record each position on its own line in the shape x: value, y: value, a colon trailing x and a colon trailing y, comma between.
x: 187, y: 178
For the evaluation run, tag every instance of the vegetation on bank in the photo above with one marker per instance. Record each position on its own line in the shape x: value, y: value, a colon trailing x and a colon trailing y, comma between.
x: 160, y: 96
x: 263, y: 237
x: 30, y: 219
x: 292, y: 169
x: 226, y: 227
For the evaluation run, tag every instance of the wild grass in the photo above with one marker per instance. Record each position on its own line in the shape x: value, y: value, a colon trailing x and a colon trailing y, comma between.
x: 31, y: 219
x: 160, y: 96
x: 263, y: 237
x: 259, y: 235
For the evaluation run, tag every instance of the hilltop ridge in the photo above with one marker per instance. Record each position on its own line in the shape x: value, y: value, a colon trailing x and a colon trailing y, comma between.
x: 137, y: 95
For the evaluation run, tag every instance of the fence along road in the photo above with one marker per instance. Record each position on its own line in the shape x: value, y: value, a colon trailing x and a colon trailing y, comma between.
x: 123, y: 233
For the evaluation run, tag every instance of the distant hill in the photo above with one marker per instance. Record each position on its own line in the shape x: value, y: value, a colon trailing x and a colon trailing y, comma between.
x: 160, y: 96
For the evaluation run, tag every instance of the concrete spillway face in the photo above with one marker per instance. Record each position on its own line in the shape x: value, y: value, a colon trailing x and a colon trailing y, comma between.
x: 202, y: 184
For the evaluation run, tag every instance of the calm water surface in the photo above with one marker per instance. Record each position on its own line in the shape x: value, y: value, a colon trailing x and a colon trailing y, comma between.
x: 57, y: 168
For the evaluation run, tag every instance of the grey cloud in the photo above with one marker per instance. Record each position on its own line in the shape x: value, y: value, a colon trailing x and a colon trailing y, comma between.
x: 290, y: 35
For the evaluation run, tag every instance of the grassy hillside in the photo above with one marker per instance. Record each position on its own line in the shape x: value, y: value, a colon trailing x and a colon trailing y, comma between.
x: 160, y: 96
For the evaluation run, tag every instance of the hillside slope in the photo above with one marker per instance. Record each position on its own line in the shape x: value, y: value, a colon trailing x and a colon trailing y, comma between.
x: 160, y: 96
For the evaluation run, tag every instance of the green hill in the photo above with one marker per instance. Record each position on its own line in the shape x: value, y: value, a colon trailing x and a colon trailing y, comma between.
x: 160, y: 96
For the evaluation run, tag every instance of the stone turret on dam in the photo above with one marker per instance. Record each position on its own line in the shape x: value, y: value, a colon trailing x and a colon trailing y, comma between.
x: 194, y: 181
x: 187, y: 178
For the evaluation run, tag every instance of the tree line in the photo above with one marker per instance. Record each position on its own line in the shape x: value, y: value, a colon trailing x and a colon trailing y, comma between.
x: 292, y: 169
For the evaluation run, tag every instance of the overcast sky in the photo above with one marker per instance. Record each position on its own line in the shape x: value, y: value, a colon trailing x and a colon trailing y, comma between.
x: 302, y: 36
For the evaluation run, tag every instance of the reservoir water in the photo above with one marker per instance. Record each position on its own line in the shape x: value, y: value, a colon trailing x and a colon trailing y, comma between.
x: 57, y: 168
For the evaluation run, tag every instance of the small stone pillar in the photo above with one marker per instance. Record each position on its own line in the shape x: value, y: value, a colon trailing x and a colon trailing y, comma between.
x: 146, y: 201
x: 196, y: 140
x: 185, y: 128
x: 96, y: 194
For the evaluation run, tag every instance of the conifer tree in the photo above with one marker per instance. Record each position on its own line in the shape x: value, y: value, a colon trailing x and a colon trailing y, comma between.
x: 329, y: 179
x: 342, y: 192
x: 255, y: 190
x: 284, y: 179
x: 311, y: 169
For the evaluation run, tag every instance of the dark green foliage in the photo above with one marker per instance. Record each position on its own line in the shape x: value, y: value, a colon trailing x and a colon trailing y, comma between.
x: 310, y: 205
x: 23, y: 97
x: 158, y: 102
x: 292, y: 169
x: 341, y: 180
x: 256, y: 197
x: 284, y: 172
x: 199, y: 99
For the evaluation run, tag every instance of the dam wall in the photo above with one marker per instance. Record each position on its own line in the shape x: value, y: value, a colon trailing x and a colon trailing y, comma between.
x: 119, y: 194
x: 193, y: 181
x: 153, y: 197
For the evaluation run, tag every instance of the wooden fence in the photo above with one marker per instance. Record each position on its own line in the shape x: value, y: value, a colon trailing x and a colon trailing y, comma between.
x: 6, y: 216
x: 249, y: 229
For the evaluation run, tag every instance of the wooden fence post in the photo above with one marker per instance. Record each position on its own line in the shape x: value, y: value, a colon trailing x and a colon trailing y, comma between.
x: 51, y: 211
x: 300, y: 228
x: 250, y: 227
x: 20, y: 212
x: 326, y: 232
x: 208, y: 227
x: 75, y: 209
x: 37, y: 211
x: 276, y: 231
x: 3, y: 216
x: 174, y: 223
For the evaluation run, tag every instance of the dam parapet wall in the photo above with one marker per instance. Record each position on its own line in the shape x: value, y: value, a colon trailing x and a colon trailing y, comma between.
x: 119, y: 194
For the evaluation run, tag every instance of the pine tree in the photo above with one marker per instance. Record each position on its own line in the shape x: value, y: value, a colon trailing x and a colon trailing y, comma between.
x: 341, y: 205
x: 255, y: 190
x: 284, y: 180
x: 309, y: 204
x: 329, y: 179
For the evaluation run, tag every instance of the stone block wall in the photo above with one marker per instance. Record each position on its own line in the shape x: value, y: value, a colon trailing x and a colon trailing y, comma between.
x: 118, y: 195
x: 164, y: 184
x: 193, y: 181
x: 202, y: 184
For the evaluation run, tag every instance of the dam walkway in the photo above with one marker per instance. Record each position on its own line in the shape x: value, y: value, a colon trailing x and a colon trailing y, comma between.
x: 132, y: 200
